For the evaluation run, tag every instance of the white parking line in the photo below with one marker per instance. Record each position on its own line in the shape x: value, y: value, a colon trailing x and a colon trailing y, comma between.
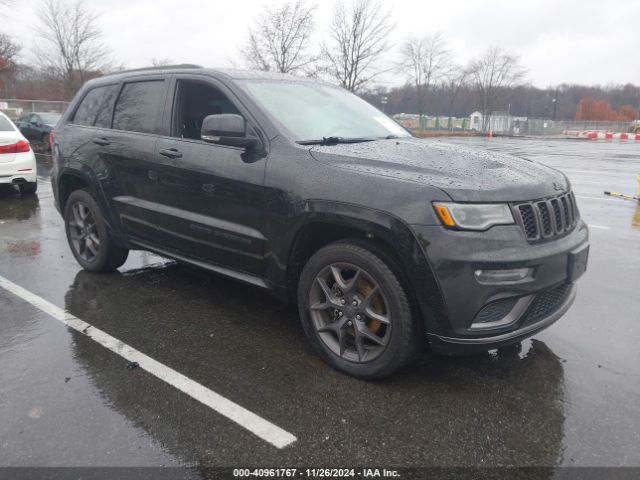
x: 599, y: 226
x: 255, y: 424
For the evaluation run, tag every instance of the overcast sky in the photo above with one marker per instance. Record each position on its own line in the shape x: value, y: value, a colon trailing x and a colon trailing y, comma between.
x: 580, y: 41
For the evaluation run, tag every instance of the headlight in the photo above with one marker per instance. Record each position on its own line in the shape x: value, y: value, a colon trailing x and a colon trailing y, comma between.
x: 473, y: 216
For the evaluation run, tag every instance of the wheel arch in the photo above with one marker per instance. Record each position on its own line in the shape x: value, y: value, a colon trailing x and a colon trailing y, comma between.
x: 69, y: 180
x: 384, y: 234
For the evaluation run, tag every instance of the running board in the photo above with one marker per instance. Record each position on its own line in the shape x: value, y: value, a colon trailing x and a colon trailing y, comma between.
x: 227, y: 272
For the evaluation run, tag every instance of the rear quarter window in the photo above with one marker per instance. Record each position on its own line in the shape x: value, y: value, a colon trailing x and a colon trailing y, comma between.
x: 139, y: 107
x: 96, y: 107
x: 6, y: 125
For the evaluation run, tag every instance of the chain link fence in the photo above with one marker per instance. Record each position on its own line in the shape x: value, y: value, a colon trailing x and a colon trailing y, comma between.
x: 14, y: 108
x: 508, y: 125
x: 540, y: 126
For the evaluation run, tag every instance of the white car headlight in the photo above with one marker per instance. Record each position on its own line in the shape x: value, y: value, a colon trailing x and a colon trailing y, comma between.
x: 473, y: 216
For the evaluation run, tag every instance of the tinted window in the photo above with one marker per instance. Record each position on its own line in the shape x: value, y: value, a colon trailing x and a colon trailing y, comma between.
x: 96, y: 107
x: 5, y: 124
x: 194, y: 102
x: 139, y: 107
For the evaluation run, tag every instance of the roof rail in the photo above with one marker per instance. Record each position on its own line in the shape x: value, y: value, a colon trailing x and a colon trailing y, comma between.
x: 159, y: 67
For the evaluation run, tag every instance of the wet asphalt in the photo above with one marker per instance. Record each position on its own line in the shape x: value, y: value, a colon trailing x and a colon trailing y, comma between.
x: 568, y: 396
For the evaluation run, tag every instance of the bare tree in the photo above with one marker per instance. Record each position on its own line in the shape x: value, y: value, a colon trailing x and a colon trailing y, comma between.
x: 494, y: 71
x: 454, y: 80
x: 358, y: 36
x: 279, y: 41
x: 160, y: 62
x: 9, y: 52
x: 71, y: 50
x: 427, y: 61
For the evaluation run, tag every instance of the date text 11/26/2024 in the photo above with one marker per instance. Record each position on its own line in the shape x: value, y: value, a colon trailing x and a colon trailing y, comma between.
x: 315, y: 473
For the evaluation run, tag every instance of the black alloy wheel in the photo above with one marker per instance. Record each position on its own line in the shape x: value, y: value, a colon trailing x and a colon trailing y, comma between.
x: 355, y: 310
x: 88, y: 236
x: 350, y: 313
x: 83, y: 230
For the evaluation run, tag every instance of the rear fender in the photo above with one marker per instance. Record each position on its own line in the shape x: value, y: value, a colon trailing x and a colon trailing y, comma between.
x: 83, y: 173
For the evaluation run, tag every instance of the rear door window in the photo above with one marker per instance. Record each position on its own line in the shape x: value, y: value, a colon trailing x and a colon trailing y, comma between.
x: 96, y: 107
x: 139, y: 107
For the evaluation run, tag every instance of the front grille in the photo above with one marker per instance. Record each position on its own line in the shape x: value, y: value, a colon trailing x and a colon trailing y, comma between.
x: 546, y: 303
x: 548, y: 218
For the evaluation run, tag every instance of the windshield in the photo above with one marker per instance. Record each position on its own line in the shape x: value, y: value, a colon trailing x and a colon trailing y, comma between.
x: 312, y: 111
x: 50, y: 118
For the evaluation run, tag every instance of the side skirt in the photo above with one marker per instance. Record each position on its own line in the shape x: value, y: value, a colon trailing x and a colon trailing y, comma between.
x: 227, y: 272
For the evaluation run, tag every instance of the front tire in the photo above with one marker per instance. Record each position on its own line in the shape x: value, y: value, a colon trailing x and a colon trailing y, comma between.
x: 355, y: 311
x: 88, y: 236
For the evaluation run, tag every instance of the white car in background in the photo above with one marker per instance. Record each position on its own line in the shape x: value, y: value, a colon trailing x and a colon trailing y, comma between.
x: 17, y: 160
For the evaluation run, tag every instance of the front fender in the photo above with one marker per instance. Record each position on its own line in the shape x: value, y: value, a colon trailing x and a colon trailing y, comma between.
x: 388, y: 231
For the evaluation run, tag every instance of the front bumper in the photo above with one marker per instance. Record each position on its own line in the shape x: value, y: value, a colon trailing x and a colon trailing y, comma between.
x: 526, y: 307
x: 465, y: 346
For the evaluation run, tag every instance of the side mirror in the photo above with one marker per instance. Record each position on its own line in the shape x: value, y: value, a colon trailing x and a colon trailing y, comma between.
x: 227, y: 129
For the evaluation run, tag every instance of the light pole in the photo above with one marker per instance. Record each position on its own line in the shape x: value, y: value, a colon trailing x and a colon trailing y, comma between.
x: 383, y: 102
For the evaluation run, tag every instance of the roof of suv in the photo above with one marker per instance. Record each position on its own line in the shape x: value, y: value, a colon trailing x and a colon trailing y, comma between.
x: 235, y: 74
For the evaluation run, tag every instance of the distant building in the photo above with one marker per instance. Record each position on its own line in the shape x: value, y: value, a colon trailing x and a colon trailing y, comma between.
x: 475, y: 121
x: 499, y: 122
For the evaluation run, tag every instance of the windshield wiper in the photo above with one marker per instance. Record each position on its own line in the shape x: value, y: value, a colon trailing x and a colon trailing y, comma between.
x: 335, y: 140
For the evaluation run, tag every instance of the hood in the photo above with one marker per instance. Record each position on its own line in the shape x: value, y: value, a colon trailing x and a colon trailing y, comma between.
x: 465, y: 174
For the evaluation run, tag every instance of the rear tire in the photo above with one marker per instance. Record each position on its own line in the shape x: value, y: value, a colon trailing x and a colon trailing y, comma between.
x: 359, y: 319
x: 88, y: 236
x: 28, y: 188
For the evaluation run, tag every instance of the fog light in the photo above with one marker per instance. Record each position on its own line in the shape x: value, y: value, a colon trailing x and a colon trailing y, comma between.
x: 512, y: 275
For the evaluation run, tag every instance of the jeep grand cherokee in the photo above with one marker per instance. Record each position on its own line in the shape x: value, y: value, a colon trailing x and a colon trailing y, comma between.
x: 386, y: 242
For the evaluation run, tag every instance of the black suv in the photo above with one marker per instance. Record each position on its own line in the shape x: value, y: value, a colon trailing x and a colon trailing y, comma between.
x: 386, y: 242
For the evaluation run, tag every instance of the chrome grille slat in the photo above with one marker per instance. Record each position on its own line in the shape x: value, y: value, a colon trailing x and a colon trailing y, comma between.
x: 545, y: 218
x: 565, y: 213
x: 548, y: 218
x: 572, y: 209
x: 555, y: 206
x: 528, y: 218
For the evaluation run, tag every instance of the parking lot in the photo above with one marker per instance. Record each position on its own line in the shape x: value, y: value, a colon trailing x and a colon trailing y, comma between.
x: 569, y: 396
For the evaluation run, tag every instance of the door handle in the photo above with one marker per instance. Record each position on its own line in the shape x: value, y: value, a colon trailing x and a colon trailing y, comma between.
x: 103, y: 142
x: 170, y: 153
